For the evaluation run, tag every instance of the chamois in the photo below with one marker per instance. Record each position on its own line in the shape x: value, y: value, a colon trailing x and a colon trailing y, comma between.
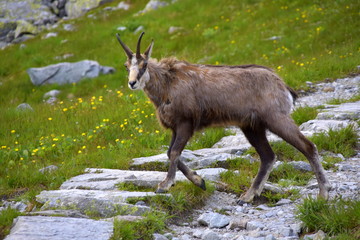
x: 189, y: 97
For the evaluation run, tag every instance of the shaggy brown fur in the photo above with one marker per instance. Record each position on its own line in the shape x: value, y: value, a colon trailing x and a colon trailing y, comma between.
x: 189, y: 97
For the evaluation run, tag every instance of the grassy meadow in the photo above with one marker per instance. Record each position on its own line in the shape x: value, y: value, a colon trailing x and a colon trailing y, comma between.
x: 101, y: 123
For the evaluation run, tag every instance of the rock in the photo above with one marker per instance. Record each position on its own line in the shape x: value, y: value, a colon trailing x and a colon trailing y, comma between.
x: 320, y: 235
x: 253, y: 225
x: 50, y: 35
x: 238, y: 223
x: 59, y: 228
x: 345, y: 111
x: 328, y: 89
x: 99, y: 203
x: 273, y: 188
x: 301, y: 165
x: 19, y: 206
x: 213, y: 220
x: 316, y: 126
x: 210, y: 235
x: 283, y: 202
x: 157, y: 236
x: 53, y: 93
x: 173, y: 29
x: 209, y: 160
x: 49, y: 169
x: 59, y: 213
x: 23, y: 26
x: 24, y: 107
x: 107, y: 179
x: 64, y: 73
x: 77, y: 8
x: 125, y: 218
x: 68, y: 27
x: 123, y: 5
x: 139, y: 29
x: 153, y: 5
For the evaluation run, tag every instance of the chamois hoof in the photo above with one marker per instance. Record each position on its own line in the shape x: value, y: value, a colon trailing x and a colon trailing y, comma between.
x: 240, y: 202
x: 203, y: 185
x: 160, y: 190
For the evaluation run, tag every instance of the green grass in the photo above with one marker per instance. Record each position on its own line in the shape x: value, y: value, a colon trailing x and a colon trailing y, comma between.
x: 304, y: 114
x: 342, y: 141
x: 6, y: 220
x: 339, y: 218
x: 101, y: 123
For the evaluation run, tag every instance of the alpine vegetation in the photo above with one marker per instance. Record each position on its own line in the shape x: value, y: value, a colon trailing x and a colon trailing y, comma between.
x: 189, y: 97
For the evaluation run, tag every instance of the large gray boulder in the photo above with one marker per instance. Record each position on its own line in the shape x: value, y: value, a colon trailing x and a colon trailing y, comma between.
x: 77, y: 8
x: 65, y: 73
x: 59, y: 228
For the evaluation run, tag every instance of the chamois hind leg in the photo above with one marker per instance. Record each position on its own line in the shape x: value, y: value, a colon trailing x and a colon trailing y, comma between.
x: 257, y: 138
x: 285, y: 128
x: 183, y: 133
x: 191, y: 175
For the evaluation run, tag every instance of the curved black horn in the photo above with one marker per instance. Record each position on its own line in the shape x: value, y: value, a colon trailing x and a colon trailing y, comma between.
x: 138, y: 56
x: 127, y: 50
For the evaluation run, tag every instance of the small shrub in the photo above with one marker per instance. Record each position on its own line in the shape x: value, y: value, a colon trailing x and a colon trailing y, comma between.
x: 304, y: 114
x: 338, y: 141
x: 336, y: 217
x: 288, y: 172
x: 6, y: 219
x: 241, y: 172
x: 143, y: 229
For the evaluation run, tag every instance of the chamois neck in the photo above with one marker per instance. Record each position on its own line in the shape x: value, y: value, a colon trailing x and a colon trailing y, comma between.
x: 157, y: 87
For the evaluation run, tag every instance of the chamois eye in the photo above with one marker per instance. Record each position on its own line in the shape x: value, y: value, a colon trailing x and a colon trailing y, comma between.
x: 126, y: 67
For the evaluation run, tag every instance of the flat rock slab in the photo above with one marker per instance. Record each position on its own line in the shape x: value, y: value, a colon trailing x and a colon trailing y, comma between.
x: 345, y: 111
x: 59, y: 228
x: 107, y: 179
x: 102, y: 203
x: 194, y: 159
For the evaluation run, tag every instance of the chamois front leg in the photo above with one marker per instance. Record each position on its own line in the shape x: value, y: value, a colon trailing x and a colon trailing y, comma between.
x: 180, y: 137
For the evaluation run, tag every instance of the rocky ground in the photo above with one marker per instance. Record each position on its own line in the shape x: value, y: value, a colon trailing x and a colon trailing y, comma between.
x: 64, y: 213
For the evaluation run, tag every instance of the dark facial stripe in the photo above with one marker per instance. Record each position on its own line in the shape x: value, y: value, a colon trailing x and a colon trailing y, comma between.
x: 142, y: 71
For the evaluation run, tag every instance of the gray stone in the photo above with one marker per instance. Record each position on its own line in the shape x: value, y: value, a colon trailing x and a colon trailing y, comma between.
x: 107, y: 179
x: 102, y: 203
x: 320, y: 235
x: 213, y: 220
x: 123, y: 5
x: 59, y: 228
x: 210, y: 235
x: 238, y: 223
x: 51, y: 93
x: 19, y: 206
x: 273, y: 188
x: 50, y: 35
x: 49, y: 169
x: 24, y: 107
x: 77, y: 8
x: 154, y: 5
x: 345, y: 111
x: 253, y: 225
x: 283, y: 202
x: 157, y: 236
x: 64, y: 73
x: 69, y: 27
x: 23, y: 26
x: 59, y: 213
x: 301, y: 165
x: 173, y: 29
x: 125, y: 218
x: 315, y: 126
x: 209, y: 160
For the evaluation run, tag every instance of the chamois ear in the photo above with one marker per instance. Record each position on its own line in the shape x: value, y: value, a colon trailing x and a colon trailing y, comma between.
x: 149, y: 50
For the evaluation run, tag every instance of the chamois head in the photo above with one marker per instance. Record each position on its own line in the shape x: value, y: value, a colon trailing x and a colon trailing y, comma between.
x: 136, y: 64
